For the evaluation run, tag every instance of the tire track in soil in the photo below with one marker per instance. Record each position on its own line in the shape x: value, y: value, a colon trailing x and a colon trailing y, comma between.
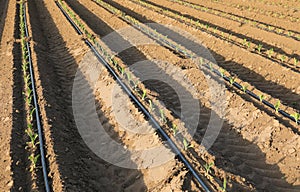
x: 163, y: 90
x: 256, y: 80
x: 259, y: 180
x: 261, y: 159
x: 78, y: 168
x: 112, y: 104
x: 3, y: 16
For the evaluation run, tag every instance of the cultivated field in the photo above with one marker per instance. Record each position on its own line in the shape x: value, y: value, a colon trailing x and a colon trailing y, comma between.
x: 140, y: 95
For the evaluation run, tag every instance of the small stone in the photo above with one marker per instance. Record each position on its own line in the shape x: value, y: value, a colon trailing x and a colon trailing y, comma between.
x: 291, y: 151
x: 6, y: 119
x: 7, y: 168
x: 10, y: 184
x: 276, y: 123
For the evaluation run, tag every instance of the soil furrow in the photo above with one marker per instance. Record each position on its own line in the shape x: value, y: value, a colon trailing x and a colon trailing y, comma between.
x: 226, y: 132
x: 281, y: 79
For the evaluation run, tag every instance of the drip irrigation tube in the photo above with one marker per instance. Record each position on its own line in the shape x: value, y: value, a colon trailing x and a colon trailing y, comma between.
x: 37, y: 114
x: 140, y: 105
x: 176, y: 48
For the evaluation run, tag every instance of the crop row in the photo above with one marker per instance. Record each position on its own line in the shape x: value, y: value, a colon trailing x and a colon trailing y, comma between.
x: 257, y: 48
x: 31, y: 106
x: 31, y: 145
x: 201, y: 62
x: 259, y: 10
x: 242, y: 20
x: 176, y: 131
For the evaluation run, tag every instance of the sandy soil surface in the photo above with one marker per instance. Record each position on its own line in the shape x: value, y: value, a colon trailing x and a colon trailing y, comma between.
x: 256, y: 148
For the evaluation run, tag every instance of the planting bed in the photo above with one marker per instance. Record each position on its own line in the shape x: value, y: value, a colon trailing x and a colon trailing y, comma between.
x: 134, y: 62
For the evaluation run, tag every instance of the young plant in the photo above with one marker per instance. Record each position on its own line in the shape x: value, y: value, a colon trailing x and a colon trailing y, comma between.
x: 186, y: 144
x: 259, y: 47
x: 244, y: 88
x: 162, y: 116
x: 207, y: 167
x: 122, y: 71
x: 282, y: 58
x: 249, y: 45
x: 277, y: 105
x: 245, y: 42
x: 174, y: 129
x: 270, y: 52
x: 231, y: 80
x: 33, y: 160
x: 151, y: 105
x: 128, y: 76
x: 211, y: 66
x: 144, y: 94
x: 261, y: 97
x: 33, y: 136
x: 296, y: 61
x: 201, y: 61
x: 223, y: 189
x: 296, y: 117
x: 222, y: 71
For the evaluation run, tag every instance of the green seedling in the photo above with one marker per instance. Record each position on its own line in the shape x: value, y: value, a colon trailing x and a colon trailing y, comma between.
x: 261, y: 97
x: 211, y: 66
x: 215, y: 29
x: 282, y: 58
x: 151, y: 105
x: 259, y: 47
x: 245, y: 42
x: 223, y: 189
x: 207, y: 167
x: 277, y: 105
x: 144, y: 94
x: 248, y: 44
x: 162, y: 116
x: 296, y: 61
x: 244, y: 88
x: 33, y: 160
x: 122, y: 71
x: 33, y: 136
x: 174, y: 129
x: 222, y: 71
x: 201, y: 61
x: 296, y: 117
x: 270, y: 52
x: 186, y: 144
x: 231, y: 80
x: 128, y: 76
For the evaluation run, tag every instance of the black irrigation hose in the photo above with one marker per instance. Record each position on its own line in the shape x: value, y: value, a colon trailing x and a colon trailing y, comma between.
x: 177, y: 49
x: 196, y: 7
x: 141, y: 106
x: 37, y: 114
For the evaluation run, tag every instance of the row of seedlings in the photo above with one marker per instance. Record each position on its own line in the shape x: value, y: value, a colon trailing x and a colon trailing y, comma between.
x: 267, y: 52
x: 176, y: 131
x: 232, y: 80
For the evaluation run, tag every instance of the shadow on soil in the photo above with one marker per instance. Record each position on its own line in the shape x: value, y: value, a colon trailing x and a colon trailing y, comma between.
x: 21, y: 177
x: 79, y: 168
x: 233, y: 153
